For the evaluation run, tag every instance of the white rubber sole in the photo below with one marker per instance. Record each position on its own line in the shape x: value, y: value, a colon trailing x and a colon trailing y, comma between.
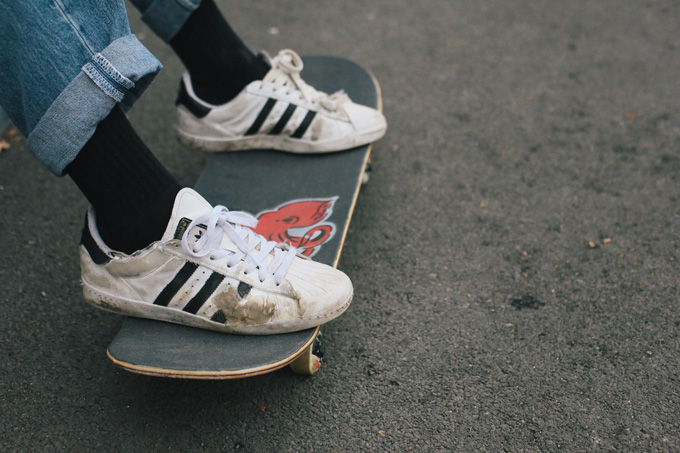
x: 280, y: 143
x: 128, y: 307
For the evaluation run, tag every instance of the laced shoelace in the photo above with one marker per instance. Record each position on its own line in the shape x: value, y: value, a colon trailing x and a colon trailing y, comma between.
x: 251, y: 247
x: 285, y: 73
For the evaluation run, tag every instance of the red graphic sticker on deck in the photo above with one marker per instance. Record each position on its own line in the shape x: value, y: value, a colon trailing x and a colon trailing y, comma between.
x: 300, y: 223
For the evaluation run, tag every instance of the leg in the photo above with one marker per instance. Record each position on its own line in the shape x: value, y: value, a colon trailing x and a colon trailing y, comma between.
x: 62, y: 90
x: 219, y: 72
x: 60, y: 83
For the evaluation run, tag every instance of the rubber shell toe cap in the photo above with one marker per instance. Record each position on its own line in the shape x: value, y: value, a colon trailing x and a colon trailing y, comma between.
x: 323, y: 292
x: 365, y: 119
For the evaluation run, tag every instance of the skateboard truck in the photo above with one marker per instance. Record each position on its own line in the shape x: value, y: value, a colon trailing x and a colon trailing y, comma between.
x: 310, y: 361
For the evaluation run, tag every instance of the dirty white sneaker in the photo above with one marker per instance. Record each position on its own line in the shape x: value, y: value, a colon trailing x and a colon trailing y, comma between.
x: 280, y: 112
x: 211, y: 271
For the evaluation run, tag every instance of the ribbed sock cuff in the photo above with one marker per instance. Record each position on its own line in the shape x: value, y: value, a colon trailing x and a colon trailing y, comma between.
x: 220, y: 64
x: 131, y: 191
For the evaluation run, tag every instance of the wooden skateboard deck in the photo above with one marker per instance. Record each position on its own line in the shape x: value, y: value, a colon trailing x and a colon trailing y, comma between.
x: 306, y: 200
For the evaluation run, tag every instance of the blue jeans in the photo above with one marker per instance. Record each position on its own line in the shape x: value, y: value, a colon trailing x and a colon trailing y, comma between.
x: 64, y: 64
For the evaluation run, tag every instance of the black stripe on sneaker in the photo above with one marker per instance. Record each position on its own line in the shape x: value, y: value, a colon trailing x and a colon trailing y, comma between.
x: 261, y: 117
x: 171, y: 288
x: 276, y: 130
x: 304, y: 125
x: 208, y: 288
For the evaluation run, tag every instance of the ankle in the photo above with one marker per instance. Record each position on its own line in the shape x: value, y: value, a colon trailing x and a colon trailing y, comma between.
x: 129, y: 189
x: 224, y: 67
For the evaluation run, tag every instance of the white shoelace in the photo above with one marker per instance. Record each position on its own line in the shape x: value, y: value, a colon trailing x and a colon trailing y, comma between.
x: 285, y: 73
x: 251, y: 247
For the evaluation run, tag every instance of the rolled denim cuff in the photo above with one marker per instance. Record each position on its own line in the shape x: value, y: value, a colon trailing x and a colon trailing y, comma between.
x: 166, y: 17
x: 118, y: 74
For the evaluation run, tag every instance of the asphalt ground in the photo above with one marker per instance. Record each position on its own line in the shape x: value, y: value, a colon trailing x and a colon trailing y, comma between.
x: 515, y: 255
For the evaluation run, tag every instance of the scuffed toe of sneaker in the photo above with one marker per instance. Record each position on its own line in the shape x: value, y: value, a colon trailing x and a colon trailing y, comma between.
x: 323, y: 292
x: 369, y: 124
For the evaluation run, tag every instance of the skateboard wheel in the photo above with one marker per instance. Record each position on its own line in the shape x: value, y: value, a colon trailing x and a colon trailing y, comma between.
x: 310, y: 360
x: 367, y: 174
x: 318, y: 347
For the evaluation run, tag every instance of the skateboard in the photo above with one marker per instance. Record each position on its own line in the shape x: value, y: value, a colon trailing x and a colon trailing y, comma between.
x: 305, y: 200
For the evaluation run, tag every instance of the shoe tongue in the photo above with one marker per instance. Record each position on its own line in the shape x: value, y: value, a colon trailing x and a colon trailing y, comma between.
x: 188, y: 206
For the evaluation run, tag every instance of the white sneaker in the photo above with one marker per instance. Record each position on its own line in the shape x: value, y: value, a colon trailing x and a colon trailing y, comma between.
x: 211, y: 271
x: 280, y: 112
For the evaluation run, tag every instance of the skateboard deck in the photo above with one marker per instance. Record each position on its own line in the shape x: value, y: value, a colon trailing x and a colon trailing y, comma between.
x: 306, y: 200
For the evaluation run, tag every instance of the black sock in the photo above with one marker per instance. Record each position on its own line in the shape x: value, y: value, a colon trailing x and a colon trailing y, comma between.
x: 220, y: 64
x: 130, y: 190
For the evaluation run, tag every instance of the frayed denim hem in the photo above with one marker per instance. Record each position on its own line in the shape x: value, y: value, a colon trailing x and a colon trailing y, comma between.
x: 118, y: 74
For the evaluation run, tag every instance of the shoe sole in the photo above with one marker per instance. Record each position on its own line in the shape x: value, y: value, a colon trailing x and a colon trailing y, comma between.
x: 287, y: 144
x: 128, y: 307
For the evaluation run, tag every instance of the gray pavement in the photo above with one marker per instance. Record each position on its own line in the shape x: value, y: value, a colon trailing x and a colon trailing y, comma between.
x: 515, y: 255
